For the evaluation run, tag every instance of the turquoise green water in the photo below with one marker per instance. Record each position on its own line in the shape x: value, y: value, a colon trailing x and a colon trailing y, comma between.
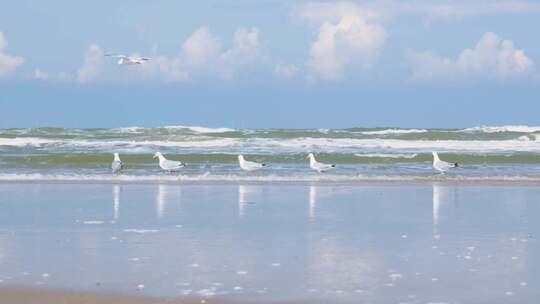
x: 506, y: 152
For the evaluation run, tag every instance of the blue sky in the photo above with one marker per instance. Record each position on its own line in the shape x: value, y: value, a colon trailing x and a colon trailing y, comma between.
x: 422, y: 63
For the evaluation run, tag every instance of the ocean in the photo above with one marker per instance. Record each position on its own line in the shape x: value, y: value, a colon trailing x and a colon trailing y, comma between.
x: 496, y: 153
x: 383, y: 227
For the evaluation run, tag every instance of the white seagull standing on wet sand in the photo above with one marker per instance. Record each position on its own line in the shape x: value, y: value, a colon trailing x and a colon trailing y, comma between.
x: 249, y: 165
x: 168, y: 165
x: 441, y: 165
x: 129, y: 60
x: 117, y: 165
x: 317, y: 166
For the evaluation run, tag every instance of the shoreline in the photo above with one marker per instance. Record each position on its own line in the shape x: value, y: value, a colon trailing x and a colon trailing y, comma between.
x: 471, y: 182
x: 27, y: 295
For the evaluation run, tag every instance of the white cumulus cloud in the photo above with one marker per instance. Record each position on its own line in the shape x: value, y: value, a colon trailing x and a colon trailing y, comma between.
x: 465, y: 8
x: 160, y: 68
x: 430, y: 9
x: 351, y: 35
x: 318, y: 12
x: 286, y: 70
x: 40, y: 74
x: 92, y: 66
x: 8, y: 63
x: 245, y: 51
x: 348, y: 37
x: 492, y: 57
x: 201, y: 56
x: 201, y: 47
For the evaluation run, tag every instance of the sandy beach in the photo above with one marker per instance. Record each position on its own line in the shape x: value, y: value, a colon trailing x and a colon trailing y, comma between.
x: 53, y: 296
x: 48, y: 296
x: 261, y: 152
x: 331, y: 243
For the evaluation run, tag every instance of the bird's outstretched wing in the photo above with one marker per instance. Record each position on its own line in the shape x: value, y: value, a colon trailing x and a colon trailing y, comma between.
x: 116, y: 56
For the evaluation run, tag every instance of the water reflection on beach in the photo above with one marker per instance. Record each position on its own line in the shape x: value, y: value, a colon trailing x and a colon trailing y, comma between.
x: 312, y: 200
x: 116, y: 201
x: 167, y: 195
x: 315, y: 242
x: 246, y: 195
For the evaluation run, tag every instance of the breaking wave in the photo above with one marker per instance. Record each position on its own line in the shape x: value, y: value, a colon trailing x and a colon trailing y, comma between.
x: 361, y: 153
x: 338, y: 178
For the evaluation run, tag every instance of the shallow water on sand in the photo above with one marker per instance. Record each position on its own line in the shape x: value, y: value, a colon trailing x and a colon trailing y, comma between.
x: 374, y: 243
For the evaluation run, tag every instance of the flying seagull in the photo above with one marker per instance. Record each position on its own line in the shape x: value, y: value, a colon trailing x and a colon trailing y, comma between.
x: 441, y: 165
x: 168, y: 165
x: 249, y: 165
x: 129, y: 60
x: 317, y: 166
x: 117, y: 165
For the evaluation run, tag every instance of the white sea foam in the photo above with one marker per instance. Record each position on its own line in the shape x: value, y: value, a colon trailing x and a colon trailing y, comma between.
x: 93, y: 222
x: 206, y: 292
x: 277, y: 145
x: 28, y: 141
x: 386, y: 155
x: 128, y: 130
x: 102, y: 145
x: 394, y: 131
x: 201, y: 130
x: 497, y: 129
x: 299, y: 177
x: 141, y: 231
x: 9, y: 177
x: 346, y: 144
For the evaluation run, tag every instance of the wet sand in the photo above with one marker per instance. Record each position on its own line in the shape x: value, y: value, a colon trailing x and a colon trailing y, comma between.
x: 52, y: 296
x: 373, y: 243
x: 49, y: 296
